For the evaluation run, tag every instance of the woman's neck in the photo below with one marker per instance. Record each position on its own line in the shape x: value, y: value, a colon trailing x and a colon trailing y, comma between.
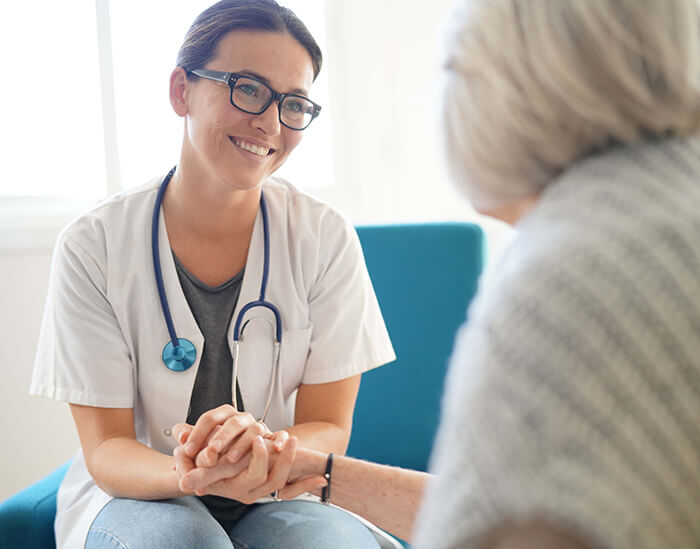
x: 208, y: 209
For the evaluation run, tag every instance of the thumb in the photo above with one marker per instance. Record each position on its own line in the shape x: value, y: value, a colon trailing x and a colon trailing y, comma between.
x: 302, y: 486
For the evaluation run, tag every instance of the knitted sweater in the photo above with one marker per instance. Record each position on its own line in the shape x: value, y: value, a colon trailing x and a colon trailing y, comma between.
x: 574, y: 388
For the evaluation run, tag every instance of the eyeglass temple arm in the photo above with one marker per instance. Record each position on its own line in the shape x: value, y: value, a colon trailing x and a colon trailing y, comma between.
x: 213, y: 75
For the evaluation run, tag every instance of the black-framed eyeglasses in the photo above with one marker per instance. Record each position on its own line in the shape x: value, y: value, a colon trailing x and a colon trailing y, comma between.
x: 250, y: 95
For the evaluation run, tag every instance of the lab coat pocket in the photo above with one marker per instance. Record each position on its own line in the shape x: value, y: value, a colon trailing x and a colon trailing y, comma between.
x: 294, y: 351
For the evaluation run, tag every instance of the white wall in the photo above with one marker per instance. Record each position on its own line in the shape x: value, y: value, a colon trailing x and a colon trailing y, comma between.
x: 383, y: 76
x: 38, y: 433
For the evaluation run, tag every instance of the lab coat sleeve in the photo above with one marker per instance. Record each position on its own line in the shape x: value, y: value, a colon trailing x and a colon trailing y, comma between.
x: 82, y: 356
x: 348, y: 332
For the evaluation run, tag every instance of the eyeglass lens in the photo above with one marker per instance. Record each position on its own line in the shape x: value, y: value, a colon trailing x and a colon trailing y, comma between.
x: 253, y: 96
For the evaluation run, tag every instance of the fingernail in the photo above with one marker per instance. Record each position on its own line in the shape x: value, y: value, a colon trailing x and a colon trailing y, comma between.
x: 186, y: 484
x: 189, y: 449
x: 217, y: 445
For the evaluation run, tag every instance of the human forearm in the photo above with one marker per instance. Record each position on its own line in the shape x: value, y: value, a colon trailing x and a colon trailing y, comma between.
x: 118, y: 463
x: 321, y: 436
x: 124, y: 467
x: 386, y: 496
x: 323, y: 415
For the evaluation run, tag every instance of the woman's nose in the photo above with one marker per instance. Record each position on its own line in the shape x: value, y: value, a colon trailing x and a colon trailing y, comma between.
x: 268, y: 121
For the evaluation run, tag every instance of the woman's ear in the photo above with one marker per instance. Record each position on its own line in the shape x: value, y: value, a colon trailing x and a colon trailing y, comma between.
x: 178, y: 85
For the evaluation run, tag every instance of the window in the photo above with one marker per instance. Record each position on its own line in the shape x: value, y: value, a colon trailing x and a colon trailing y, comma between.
x: 87, y: 110
x: 52, y: 111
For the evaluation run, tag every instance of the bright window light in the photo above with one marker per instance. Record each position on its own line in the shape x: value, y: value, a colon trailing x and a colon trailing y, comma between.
x: 52, y: 111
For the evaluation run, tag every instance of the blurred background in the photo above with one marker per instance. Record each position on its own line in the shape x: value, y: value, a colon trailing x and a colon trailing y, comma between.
x: 86, y: 114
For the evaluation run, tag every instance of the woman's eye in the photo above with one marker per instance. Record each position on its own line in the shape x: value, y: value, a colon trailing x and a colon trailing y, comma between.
x: 247, y: 89
x: 294, y: 106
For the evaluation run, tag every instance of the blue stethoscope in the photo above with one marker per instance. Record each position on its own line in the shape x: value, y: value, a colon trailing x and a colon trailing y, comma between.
x: 180, y: 353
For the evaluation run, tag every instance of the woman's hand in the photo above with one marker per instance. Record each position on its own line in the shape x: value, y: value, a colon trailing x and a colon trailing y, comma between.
x: 226, y: 462
x: 247, y: 476
x: 225, y: 433
x: 259, y: 479
x: 185, y: 464
x: 259, y: 473
x: 202, y: 444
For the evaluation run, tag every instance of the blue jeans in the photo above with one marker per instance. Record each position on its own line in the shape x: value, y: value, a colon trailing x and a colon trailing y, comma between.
x: 185, y: 523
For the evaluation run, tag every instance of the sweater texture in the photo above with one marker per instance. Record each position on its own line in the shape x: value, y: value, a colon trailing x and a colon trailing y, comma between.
x: 574, y: 389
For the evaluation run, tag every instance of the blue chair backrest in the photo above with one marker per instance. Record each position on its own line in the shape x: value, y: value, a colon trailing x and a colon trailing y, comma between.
x: 424, y: 276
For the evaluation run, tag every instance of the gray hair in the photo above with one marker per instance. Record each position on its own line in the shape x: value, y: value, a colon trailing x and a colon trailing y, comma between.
x: 534, y: 85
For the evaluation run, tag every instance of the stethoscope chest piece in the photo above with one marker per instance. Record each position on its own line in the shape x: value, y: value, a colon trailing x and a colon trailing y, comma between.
x: 179, y: 358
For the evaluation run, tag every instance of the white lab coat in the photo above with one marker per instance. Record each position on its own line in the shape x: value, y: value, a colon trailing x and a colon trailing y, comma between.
x: 103, y: 330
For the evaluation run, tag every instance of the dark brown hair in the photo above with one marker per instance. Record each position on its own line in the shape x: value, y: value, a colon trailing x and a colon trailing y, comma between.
x: 201, y: 41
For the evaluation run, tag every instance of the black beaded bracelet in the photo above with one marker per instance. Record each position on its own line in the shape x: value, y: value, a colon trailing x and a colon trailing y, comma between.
x: 326, y: 491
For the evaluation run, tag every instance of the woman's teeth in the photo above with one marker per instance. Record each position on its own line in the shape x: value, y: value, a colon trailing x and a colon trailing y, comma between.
x: 260, y: 151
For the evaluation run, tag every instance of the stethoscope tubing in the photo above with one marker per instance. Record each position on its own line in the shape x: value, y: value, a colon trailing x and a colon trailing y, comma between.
x: 189, y: 352
x: 261, y: 302
x: 156, y: 259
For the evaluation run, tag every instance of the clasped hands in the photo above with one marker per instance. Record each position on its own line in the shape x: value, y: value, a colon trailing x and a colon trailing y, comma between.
x: 228, y: 453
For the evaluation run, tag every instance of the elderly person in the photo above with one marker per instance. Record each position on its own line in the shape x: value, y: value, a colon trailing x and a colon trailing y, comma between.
x: 571, y: 415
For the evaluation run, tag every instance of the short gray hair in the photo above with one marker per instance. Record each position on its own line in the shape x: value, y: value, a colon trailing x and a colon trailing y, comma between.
x: 534, y: 85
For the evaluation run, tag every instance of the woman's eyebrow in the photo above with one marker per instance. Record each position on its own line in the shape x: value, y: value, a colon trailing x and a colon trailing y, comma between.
x: 298, y: 91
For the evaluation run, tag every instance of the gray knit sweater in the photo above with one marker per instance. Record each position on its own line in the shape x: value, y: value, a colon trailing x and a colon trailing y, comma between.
x: 574, y: 389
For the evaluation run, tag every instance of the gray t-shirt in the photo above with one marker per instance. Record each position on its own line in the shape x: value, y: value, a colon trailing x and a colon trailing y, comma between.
x: 212, y: 308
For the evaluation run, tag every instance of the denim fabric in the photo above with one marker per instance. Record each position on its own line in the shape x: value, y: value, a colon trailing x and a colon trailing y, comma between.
x: 299, y: 524
x: 184, y: 523
x: 167, y: 524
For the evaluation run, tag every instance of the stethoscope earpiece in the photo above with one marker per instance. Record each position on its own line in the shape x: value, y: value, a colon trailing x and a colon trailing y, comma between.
x: 179, y: 358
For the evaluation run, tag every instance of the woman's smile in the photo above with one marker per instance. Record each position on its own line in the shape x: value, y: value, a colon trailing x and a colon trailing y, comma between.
x: 252, y: 147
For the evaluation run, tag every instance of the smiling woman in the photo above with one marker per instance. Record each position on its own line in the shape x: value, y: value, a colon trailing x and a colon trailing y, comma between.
x: 219, y: 137
x: 128, y: 353
x: 143, y: 121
